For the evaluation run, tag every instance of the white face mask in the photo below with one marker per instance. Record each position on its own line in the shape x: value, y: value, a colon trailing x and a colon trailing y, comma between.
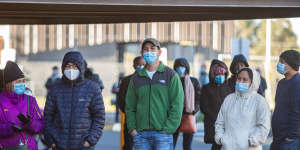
x: 72, y: 74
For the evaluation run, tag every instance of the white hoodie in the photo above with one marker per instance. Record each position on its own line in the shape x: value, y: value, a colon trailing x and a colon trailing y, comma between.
x: 243, y: 118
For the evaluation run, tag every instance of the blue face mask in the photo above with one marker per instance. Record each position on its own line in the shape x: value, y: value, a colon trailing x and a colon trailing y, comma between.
x: 139, y: 68
x: 242, y: 87
x: 220, y: 79
x: 281, y: 68
x: 19, y: 88
x: 150, y: 57
x: 181, y: 71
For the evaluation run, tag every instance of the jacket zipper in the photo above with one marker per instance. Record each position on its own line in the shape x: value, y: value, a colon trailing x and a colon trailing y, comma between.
x: 149, y: 102
x: 70, y: 122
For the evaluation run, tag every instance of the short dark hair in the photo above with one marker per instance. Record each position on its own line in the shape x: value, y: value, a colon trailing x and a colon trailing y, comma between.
x: 136, y: 60
x: 250, y: 73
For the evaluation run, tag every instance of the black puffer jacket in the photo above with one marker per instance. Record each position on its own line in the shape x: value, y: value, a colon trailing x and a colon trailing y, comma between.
x: 183, y: 62
x: 211, y: 100
x: 74, y: 110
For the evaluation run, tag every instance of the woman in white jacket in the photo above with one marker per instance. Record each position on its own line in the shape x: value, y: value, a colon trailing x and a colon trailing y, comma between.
x: 243, y: 122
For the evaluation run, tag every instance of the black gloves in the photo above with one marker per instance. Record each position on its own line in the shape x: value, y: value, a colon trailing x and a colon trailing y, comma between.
x: 24, y: 119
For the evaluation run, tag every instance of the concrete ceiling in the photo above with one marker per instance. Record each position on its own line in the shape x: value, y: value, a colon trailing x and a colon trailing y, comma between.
x: 129, y: 11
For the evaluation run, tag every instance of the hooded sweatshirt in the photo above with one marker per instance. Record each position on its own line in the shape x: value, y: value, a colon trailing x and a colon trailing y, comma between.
x: 183, y: 62
x: 11, y: 105
x: 74, y: 110
x: 234, y: 69
x: 243, y: 117
x: 211, y: 99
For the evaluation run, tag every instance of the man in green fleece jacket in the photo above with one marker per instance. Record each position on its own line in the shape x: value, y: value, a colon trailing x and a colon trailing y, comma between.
x: 154, y: 102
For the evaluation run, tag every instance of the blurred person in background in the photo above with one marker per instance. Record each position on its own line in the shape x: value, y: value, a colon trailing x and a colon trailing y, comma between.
x: 20, y: 116
x: 89, y: 74
x: 138, y: 65
x: 191, y: 89
x: 115, y: 90
x: 238, y: 62
x: 263, y: 84
x: 212, y: 97
x: 53, y: 79
x: 203, y: 77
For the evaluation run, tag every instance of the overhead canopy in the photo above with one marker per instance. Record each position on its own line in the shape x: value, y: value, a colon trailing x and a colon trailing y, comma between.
x: 123, y: 11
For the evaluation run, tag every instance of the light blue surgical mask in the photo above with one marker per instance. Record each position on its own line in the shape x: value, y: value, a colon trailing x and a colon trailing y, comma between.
x: 19, y: 88
x: 72, y: 74
x: 281, y: 68
x: 139, y: 68
x: 150, y: 57
x: 181, y: 71
x: 220, y: 79
x: 242, y: 87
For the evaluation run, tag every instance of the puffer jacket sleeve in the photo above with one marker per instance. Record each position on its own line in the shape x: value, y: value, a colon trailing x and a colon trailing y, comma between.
x: 263, y: 116
x: 51, y: 133
x: 98, y: 118
x: 220, y: 125
x: 37, y: 124
x: 130, y: 107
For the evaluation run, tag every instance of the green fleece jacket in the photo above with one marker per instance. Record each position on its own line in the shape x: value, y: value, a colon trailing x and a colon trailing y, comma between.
x: 155, y: 104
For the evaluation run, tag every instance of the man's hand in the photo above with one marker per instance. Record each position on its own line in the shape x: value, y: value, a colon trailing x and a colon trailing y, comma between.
x: 86, y: 144
x: 133, y: 133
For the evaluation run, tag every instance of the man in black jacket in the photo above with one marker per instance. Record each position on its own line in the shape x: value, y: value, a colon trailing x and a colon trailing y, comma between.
x: 182, y: 67
x: 138, y: 64
x: 211, y: 99
x: 74, y: 111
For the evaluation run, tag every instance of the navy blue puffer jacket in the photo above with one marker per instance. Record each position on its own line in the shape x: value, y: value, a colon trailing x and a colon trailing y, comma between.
x: 74, y: 110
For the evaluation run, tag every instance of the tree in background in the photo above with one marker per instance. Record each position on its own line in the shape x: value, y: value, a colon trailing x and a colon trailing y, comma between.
x: 283, y: 36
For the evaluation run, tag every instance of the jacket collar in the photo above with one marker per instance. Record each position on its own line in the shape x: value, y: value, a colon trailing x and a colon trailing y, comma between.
x: 12, y: 96
x: 143, y: 72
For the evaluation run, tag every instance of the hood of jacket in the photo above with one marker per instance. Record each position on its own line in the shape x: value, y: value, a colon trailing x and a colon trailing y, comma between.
x: 78, y: 60
x: 215, y: 63
x: 237, y: 59
x: 182, y: 62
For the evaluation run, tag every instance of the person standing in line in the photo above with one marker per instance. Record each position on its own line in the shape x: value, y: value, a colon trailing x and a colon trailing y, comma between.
x: 212, y: 97
x: 74, y: 111
x: 243, y: 122
x: 238, y: 62
x: 115, y: 90
x: 138, y: 65
x: 89, y: 74
x: 263, y: 84
x: 154, y: 102
x: 55, y: 77
x: 20, y: 116
x: 286, y: 116
x: 191, y: 89
x: 203, y: 77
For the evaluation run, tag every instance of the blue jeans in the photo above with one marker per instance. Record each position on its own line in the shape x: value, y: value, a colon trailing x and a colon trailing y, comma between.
x: 152, y: 140
x: 286, y: 145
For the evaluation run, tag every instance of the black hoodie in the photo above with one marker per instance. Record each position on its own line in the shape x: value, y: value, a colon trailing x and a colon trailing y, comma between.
x: 211, y: 100
x: 184, y: 63
x: 234, y: 69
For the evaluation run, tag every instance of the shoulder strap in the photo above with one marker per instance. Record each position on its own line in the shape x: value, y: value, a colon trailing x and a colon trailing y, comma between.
x: 28, y: 114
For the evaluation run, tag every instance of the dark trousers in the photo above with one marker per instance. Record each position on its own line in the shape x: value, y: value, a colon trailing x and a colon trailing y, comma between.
x: 286, y: 145
x: 215, y: 146
x: 128, y: 141
x: 187, y: 140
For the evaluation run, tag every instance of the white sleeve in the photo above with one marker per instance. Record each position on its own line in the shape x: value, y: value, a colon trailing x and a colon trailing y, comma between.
x: 220, y: 126
x: 263, y: 119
